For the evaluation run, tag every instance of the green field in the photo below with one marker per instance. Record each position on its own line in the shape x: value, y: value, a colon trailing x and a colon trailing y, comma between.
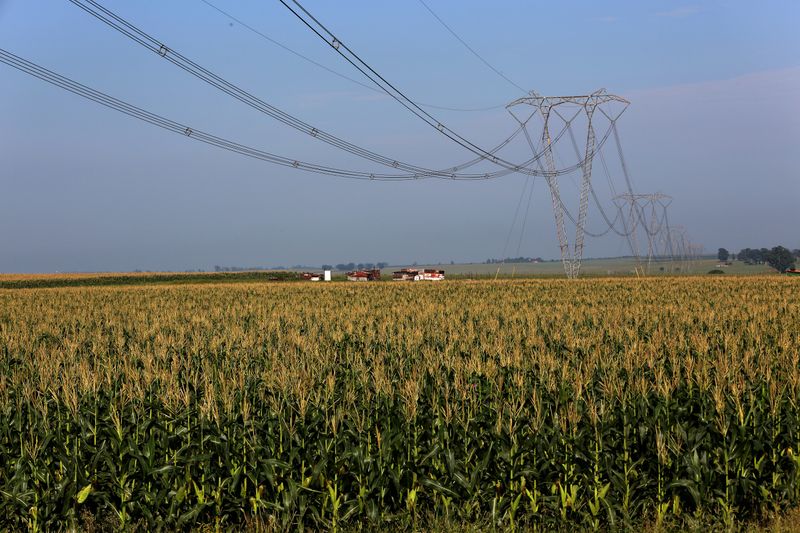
x: 590, y: 267
x: 549, y: 269
x: 44, y: 281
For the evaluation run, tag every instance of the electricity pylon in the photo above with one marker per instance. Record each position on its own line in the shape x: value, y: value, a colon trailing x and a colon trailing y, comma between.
x: 647, y: 212
x: 589, y: 109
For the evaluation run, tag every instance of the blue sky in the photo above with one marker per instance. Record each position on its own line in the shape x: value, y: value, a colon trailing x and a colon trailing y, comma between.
x: 713, y: 121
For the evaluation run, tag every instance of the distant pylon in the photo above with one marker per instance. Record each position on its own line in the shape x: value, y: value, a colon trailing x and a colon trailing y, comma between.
x: 648, y: 212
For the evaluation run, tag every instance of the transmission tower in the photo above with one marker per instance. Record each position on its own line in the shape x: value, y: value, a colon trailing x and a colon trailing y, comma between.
x: 648, y: 212
x: 589, y: 110
x: 685, y: 251
x: 695, y: 252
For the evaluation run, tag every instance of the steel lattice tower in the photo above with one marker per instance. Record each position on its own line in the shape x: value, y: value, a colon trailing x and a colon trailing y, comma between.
x: 566, y: 110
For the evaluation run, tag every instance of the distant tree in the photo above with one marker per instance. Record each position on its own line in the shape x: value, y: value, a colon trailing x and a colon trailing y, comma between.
x: 341, y: 266
x: 780, y: 258
x: 382, y: 264
x: 742, y: 255
x: 722, y: 254
x: 752, y: 256
x: 327, y: 267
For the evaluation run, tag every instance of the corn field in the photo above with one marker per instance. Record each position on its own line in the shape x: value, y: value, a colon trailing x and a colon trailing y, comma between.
x: 601, y: 404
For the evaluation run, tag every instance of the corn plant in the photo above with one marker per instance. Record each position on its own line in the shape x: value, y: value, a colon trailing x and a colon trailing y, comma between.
x: 596, y: 404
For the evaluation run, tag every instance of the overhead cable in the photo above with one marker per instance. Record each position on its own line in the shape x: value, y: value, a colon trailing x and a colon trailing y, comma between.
x: 415, y: 171
x: 154, y: 45
x: 468, y: 47
x: 353, y: 58
x: 317, y: 64
x: 182, y: 129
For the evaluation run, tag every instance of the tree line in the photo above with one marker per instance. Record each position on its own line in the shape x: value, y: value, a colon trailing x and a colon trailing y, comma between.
x: 779, y: 257
x: 514, y: 260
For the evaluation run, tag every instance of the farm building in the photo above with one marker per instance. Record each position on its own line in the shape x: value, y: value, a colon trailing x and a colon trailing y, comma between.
x: 364, y: 275
x: 431, y: 274
x: 413, y: 274
x: 405, y: 274
x: 316, y: 276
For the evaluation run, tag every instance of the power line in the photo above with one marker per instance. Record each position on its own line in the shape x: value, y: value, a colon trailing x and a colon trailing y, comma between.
x: 468, y: 47
x: 353, y: 58
x: 525, y: 218
x: 503, y: 256
x: 317, y: 64
x: 154, y: 45
x: 184, y: 130
x: 382, y: 83
x: 286, y: 48
x: 513, y: 222
x: 414, y: 171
